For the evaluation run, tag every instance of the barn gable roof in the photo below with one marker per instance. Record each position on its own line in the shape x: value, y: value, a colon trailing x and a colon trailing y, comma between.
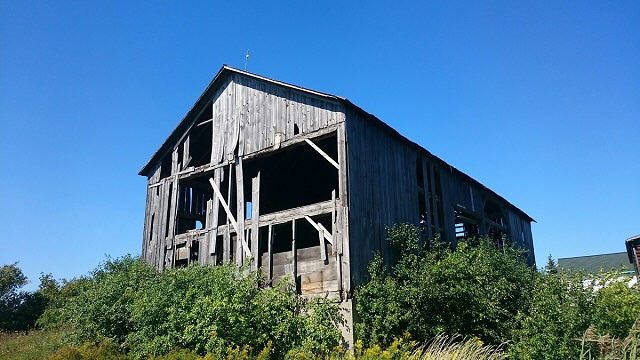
x: 226, y: 71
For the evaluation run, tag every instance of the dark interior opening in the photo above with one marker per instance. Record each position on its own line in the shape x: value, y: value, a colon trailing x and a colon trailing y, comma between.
x: 200, y: 139
x: 165, y: 166
x: 493, y: 212
x: 192, y: 204
x: 306, y: 235
x: 281, y: 238
x: 195, y: 249
x: 294, y: 177
x: 219, y: 247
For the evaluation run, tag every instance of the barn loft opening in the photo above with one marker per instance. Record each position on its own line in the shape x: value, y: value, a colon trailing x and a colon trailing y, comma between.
x: 294, y: 176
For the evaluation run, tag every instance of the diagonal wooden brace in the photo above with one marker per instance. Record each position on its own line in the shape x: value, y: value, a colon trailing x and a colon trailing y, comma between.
x: 324, y: 154
x: 232, y: 219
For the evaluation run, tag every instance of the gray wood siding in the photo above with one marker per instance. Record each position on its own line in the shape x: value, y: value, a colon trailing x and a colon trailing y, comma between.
x: 382, y: 183
x: 248, y: 113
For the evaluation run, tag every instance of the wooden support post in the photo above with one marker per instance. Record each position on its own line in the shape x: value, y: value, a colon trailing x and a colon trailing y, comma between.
x: 294, y: 254
x: 333, y: 221
x: 255, y: 220
x: 270, y: 255
x: 204, y: 255
x: 324, y: 154
x: 212, y: 221
x: 323, y: 245
x: 186, y: 155
x: 240, y: 211
x: 173, y: 204
x: 227, y: 235
x: 343, y: 211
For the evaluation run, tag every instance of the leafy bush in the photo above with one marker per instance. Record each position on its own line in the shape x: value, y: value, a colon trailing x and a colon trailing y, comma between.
x: 568, y: 311
x: 202, y: 308
x: 559, y: 312
x: 475, y: 290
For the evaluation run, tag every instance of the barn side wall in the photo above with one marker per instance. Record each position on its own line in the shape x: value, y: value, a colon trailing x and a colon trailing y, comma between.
x: 380, y: 181
x: 392, y: 181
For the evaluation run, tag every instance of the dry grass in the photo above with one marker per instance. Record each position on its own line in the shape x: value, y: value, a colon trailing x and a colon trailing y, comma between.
x: 444, y: 347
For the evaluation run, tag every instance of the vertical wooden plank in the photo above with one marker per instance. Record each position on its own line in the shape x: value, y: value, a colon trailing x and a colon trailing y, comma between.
x: 427, y: 191
x: 173, y: 203
x: 323, y: 245
x: 186, y: 153
x: 227, y: 236
x: 434, y: 201
x: 240, y: 210
x: 333, y: 222
x: 294, y: 254
x: 255, y: 220
x: 270, y: 257
x: 343, y: 228
x: 203, y: 249
x: 212, y: 220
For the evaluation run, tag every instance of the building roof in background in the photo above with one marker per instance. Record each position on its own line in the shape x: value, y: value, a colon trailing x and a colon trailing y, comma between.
x: 593, y: 264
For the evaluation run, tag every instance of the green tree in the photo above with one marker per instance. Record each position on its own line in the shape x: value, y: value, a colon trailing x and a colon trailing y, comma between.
x: 19, y: 310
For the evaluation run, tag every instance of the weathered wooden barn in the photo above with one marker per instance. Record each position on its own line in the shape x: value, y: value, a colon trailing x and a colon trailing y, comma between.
x: 302, y: 183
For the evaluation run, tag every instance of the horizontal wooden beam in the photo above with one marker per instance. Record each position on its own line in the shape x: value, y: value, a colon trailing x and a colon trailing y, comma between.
x: 288, y: 215
x: 296, y: 140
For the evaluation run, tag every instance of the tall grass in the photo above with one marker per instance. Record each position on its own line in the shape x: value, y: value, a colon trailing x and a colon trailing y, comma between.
x: 37, y: 344
x: 444, y: 347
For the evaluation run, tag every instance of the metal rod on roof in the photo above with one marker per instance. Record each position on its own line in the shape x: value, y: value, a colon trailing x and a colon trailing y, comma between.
x: 246, y: 60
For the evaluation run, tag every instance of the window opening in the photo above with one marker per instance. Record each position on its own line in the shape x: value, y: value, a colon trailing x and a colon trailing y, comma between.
x: 466, y: 226
x: 192, y: 204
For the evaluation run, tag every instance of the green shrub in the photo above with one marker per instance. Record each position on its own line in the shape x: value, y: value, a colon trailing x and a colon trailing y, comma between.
x: 206, y: 309
x: 475, y: 290
x: 565, y: 306
x: 616, y: 305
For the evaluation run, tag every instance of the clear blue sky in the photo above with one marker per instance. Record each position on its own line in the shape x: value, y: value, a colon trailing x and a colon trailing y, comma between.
x: 539, y: 100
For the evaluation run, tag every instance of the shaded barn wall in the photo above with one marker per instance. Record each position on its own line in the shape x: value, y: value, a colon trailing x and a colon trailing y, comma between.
x: 380, y: 176
x: 392, y: 181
